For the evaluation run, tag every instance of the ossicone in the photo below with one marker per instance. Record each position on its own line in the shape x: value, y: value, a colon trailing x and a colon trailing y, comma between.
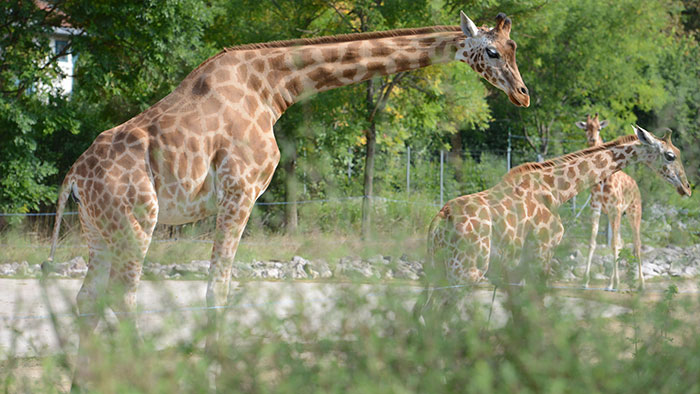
x: 503, y: 24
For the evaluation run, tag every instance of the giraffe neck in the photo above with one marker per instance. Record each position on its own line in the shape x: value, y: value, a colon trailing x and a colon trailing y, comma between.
x: 560, y: 179
x: 597, y: 141
x: 285, y: 75
x: 595, y: 165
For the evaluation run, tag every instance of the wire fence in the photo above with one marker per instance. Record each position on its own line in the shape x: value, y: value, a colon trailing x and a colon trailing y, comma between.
x: 426, y: 178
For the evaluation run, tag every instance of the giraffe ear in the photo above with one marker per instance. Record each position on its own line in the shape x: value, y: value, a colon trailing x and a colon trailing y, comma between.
x: 645, y: 137
x: 468, y: 27
x: 603, y: 123
x: 581, y: 125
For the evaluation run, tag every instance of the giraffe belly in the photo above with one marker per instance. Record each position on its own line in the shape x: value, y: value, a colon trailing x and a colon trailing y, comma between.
x: 180, y: 205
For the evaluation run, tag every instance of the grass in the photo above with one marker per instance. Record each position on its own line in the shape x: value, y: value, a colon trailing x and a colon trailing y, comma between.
x: 373, y: 344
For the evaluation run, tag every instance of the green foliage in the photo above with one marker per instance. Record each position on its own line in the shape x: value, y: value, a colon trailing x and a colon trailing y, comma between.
x: 129, y: 55
x: 625, y: 60
x: 590, y: 56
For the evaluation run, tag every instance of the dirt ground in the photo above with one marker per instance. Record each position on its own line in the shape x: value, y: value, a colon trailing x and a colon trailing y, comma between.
x: 27, y: 332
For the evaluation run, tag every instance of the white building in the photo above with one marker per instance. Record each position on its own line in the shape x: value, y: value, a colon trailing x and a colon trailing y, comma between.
x: 59, y: 39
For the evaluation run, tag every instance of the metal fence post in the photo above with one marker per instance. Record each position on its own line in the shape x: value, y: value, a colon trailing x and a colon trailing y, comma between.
x: 508, y: 160
x: 408, y: 170
x: 573, y: 205
x: 442, y: 161
x: 350, y: 163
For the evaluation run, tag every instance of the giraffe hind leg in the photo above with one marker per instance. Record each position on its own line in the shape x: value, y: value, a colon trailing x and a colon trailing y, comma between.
x: 233, y: 213
x: 595, y: 221
x: 117, y: 249
x: 634, y: 216
x: 615, y: 217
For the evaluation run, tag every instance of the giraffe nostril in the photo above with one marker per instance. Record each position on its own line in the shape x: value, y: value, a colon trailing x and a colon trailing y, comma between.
x: 523, y: 90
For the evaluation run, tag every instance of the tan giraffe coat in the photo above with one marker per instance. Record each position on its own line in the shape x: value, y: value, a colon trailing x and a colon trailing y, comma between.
x: 208, y: 147
x: 615, y: 196
x: 495, y: 223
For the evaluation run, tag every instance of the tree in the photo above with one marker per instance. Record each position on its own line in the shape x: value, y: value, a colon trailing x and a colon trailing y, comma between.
x: 583, y: 59
x: 27, y: 66
x: 129, y: 55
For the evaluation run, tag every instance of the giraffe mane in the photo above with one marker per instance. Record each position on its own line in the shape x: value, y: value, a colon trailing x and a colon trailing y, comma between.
x: 334, y: 39
x: 345, y: 38
x: 532, y: 167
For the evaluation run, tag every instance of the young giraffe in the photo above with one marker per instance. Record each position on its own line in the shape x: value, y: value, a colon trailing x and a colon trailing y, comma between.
x: 496, y: 222
x: 614, y: 196
x: 208, y: 148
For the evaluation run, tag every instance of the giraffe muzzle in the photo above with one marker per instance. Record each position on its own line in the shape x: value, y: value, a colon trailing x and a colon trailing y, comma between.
x: 684, y: 190
x: 520, y: 97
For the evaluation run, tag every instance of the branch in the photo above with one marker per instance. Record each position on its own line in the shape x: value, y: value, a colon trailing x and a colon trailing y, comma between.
x: 527, y: 136
x: 384, y: 96
x: 342, y: 16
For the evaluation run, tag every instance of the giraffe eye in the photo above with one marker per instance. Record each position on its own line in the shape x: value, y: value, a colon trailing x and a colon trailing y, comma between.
x: 669, y: 156
x: 493, y: 54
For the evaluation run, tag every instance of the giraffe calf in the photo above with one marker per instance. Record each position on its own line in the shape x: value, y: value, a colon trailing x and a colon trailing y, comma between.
x: 614, y: 196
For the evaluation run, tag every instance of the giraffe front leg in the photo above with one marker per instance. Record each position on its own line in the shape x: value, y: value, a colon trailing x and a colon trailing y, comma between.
x: 127, y: 264
x: 549, y: 236
x: 616, y: 241
x: 232, y: 216
x: 90, y: 302
x: 595, y: 221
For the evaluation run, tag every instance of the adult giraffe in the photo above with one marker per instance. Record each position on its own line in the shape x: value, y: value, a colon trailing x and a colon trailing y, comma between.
x: 469, y: 230
x: 208, y: 147
x: 614, y: 196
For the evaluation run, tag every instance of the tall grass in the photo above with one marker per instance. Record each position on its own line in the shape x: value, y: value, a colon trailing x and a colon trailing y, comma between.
x: 368, y: 339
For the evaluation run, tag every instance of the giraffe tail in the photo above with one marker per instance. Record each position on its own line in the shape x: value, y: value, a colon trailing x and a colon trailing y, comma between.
x: 433, y: 230
x: 65, y: 190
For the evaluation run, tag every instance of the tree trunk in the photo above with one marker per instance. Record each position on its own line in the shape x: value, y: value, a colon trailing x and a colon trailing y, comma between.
x: 371, y: 136
x: 369, y: 180
x: 456, y: 155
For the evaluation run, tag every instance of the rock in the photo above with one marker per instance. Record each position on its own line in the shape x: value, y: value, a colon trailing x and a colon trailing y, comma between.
x: 405, y: 269
x: 154, y: 270
x: 650, y: 270
x: 689, y: 272
x: 241, y: 270
x: 267, y: 270
x: 74, y: 268
x: 353, y: 267
x: 304, y: 269
x: 298, y: 267
x: 319, y: 269
x: 22, y: 268
x: 197, y: 267
x: 599, y: 276
x: 576, y: 256
x: 379, y: 260
x: 7, y: 270
x: 568, y: 276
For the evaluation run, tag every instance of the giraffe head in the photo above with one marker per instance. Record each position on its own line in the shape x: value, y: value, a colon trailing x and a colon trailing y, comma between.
x: 664, y: 158
x: 491, y: 53
x: 592, y: 127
